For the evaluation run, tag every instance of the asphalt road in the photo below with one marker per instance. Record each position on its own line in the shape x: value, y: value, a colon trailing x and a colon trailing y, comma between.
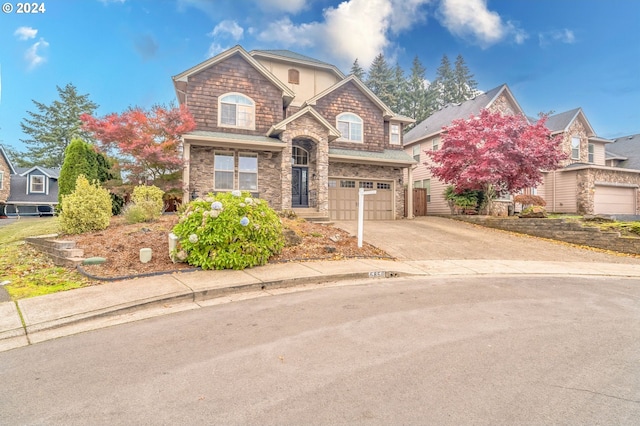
x: 479, y: 350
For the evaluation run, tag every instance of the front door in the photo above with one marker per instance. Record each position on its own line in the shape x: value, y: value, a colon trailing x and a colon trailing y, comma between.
x: 299, y: 187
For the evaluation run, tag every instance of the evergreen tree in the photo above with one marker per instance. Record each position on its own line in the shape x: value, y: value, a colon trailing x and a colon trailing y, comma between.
x: 357, y: 70
x: 79, y: 159
x: 416, y: 96
x: 400, y: 92
x: 443, y: 87
x: 465, y: 87
x: 380, y: 80
x: 53, y: 127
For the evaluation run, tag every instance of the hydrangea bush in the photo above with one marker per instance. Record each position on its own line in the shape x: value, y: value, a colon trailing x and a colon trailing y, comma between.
x: 228, y: 231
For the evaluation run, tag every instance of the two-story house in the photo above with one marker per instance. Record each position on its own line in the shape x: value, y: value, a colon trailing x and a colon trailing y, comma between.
x: 584, y: 183
x: 27, y: 191
x: 427, y: 136
x: 293, y: 130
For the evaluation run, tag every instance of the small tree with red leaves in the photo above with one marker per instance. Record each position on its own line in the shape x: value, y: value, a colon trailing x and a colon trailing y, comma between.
x: 148, y: 142
x: 495, y: 153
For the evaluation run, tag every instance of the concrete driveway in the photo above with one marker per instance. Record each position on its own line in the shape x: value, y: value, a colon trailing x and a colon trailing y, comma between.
x: 438, y: 238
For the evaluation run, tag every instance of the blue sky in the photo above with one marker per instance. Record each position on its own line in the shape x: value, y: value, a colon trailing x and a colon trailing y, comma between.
x: 554, y: 54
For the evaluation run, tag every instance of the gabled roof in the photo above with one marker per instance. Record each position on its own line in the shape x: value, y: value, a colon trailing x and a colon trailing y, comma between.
x: 626, y: 148
x: 280, y: 127
x: 180, y: 81
x: 559, y: 123
x: 388, y: 114
x: 50, y: 173
x: 4, y: 155
x: 296, y: 58
x: 444, y: 116
x: 18, y: 193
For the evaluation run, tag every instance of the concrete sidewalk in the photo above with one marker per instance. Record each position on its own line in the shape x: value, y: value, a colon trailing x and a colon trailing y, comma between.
x: 47, y: 317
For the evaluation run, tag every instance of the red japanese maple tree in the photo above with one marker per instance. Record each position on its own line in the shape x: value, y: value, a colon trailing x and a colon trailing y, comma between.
x: 148, y: 142
x: 495, y: 153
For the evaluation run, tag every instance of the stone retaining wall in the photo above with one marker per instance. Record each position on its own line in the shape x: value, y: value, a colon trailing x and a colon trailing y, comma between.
x: 559, y: 229
x: 63, y: 253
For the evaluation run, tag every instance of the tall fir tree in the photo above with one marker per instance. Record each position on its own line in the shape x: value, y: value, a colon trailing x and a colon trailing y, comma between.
x: 380, y: 80
x: 442, y: 89
x: 399, y: 91
x: 357, y: 70
x: 52, y: 128
x: 465, y: 87
x: 416, y: 96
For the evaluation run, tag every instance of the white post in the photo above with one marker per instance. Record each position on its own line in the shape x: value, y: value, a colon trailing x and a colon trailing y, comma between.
x: 361, y: 194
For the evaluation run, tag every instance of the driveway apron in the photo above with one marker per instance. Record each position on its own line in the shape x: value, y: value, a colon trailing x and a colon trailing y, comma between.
x: 439, y: 238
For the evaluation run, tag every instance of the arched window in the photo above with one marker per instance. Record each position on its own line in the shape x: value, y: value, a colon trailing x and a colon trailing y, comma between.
x: 299, y: 156
x: 294, y: 76
x: 350, y: 125
x: 236, y: 110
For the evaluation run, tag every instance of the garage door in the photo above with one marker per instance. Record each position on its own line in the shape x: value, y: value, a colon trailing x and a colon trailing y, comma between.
x: 614, y: 200
x: 343, y: 199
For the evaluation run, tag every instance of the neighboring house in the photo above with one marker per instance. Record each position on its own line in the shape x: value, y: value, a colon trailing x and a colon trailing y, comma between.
x: 293, y: 130
x: 6, y: 170
x: 27, y: 191
x: 427, y: 136
x: 586, y: 183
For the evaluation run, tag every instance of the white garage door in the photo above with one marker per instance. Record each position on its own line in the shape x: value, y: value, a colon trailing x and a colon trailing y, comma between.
x: 614, y: 200
x: 343, y: 199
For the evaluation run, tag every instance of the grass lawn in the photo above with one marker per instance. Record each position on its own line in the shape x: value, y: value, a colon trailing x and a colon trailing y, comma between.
x: 29, y: 272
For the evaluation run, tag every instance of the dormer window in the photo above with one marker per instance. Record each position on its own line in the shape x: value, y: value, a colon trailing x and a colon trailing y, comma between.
x: 36, y: 184
x: 350, y: 126
x: 236, y: 110
x: 294, y: 76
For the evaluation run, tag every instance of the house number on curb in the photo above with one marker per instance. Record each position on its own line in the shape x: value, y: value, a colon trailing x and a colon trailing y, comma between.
x: 377, y: 274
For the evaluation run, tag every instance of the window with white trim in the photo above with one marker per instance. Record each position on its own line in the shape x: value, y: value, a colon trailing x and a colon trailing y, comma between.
x: 592, y: 150
x: 575, y: 148
x: 416, y: 152
x: 394, y: 134
x: 36, y: 183
x: 248, y: 172
x: 435, y: 144
x: 223, y: 169
x: 236, y: 110
x: 350, y: 126
x: 299, y: 156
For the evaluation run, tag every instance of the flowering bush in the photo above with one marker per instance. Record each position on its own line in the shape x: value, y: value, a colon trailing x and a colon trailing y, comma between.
x: 228, y: 231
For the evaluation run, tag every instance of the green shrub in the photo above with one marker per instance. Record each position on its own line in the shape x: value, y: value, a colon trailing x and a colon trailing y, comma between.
x: 117, y: 203
x: 86, y: 209
x: 136, y: 213
x: 150, y: 199
x: 228, y: 231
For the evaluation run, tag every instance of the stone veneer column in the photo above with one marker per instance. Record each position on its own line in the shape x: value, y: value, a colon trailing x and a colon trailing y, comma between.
x: 186, y: 156
x: 322, y: 166
x: 285, y: 167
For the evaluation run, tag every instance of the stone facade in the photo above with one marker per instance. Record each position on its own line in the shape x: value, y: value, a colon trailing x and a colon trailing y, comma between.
x: 233, y: 75
x: 576, y: 129
x: 503, y: 105
x: 6, y: 179
x: 587, y: 180
x: 361, y: 171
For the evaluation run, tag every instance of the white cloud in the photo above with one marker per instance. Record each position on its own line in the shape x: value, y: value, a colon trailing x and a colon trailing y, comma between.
x: 216, y: 48
x: 563, y: 36
x: 112, y: 1
x: 288, y: 6
x: 25, y: 33
x: 471, y: 19
x: 33, y: 55
x: 354, y: 29
x: 228, y: 27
